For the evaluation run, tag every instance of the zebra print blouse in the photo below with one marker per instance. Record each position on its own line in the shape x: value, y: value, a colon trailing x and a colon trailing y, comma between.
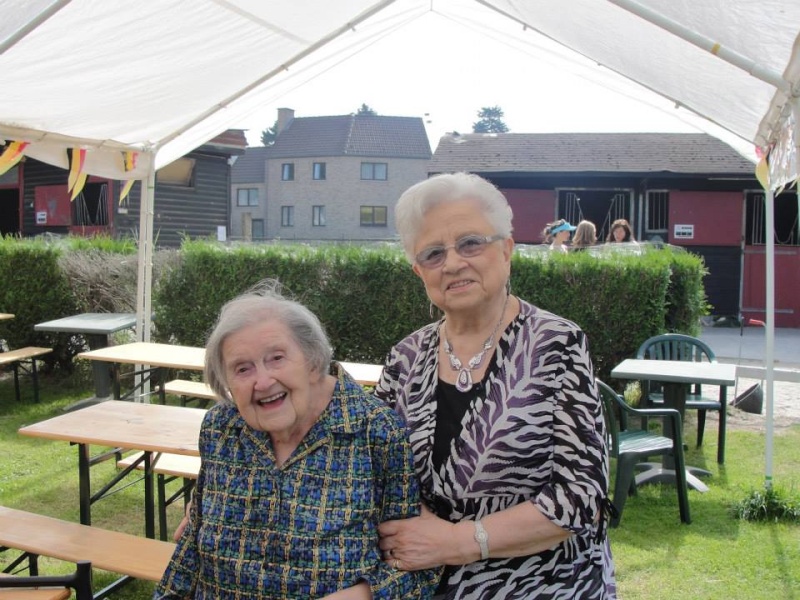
x: 535, y: 433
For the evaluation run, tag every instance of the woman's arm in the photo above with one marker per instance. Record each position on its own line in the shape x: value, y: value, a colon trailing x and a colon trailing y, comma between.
x: 398, y: 490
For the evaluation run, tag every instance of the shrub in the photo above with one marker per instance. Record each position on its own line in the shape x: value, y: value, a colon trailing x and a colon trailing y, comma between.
x: 769, y: 504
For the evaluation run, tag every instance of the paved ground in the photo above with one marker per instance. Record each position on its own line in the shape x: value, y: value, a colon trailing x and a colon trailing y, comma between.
x: 747, y: 347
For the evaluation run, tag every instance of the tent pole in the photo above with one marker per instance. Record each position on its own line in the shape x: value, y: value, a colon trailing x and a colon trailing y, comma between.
x: 730, y: 56
x: 31, y: 25
x: 769, y: 358
x: 145, y: 262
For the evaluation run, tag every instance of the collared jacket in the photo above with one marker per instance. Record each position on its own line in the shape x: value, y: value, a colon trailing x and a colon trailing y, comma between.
x: 533, y: 433
x: 306, y: 528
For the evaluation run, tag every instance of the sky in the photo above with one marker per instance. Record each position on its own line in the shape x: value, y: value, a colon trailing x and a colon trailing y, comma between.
x: 445, y: 69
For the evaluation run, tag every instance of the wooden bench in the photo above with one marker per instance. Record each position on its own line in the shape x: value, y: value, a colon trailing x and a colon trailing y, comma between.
x: 34, y: 587
x: 167, y: 468
x: 188, y: 390
x: 124, y: 553
x: 17, y: 358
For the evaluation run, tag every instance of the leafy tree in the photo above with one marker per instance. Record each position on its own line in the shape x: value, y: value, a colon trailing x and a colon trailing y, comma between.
x: 366, y: 110
x: 268, y: 135
x: 490, y: 120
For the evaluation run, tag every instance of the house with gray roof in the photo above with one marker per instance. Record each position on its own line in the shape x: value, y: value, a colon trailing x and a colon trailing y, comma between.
x: 689, y: 190
x: 331, y: 178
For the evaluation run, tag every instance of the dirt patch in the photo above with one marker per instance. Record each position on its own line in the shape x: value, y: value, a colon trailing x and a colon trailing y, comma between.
x: 786, y: 408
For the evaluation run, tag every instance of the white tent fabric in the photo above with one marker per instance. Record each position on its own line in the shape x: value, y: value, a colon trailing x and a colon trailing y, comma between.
x: 164, y: 76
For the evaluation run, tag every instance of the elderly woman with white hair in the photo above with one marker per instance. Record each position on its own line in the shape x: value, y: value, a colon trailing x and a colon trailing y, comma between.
x: 503, y: 415
x: 299, y: 466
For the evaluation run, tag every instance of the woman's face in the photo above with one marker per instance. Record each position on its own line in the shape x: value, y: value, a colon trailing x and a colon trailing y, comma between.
x: 562, y: 237
x: 270, y: 380
x: 462, y: 283
x: 619, y: 233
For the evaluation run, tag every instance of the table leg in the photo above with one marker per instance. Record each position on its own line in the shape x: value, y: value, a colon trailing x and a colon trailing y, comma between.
x: 84, y: 484
x: 101, y: 373
x: 664, y: 472
x: 149, y: 497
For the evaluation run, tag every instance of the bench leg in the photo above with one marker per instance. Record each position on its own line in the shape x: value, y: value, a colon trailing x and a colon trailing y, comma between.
x: 16, y: 381
x: 35, y: 376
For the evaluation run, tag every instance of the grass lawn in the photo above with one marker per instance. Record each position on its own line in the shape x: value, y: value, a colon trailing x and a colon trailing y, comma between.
x: 717, y: 557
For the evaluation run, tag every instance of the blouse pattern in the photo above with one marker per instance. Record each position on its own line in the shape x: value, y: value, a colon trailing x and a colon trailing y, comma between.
x: 308, y: 527
x: 534, y: 433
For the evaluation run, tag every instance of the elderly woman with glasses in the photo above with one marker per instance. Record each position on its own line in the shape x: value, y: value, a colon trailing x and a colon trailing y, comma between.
x: 502, y: 413
x: 299, y: 466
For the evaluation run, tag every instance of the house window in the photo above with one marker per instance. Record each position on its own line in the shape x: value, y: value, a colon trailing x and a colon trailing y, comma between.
x: 178, y: 173
x: 373, y: 216
x: 374, y: 171
x: 258, y: 229
x: 287, y: 216
x: 318, y: 216
x: 656, y: 216
x: 247, y: 197
x: 319, y: 171
x: 787, y: 230
x: 287, y: 172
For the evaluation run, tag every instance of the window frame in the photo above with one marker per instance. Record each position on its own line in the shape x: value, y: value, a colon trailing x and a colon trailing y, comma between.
x: 372, y: 167
x: 249, y: 200
x: 287, y: 215
x: 318, y: 215
x: 287, y: 171
x: 373, y: 209
x: 319, y: 171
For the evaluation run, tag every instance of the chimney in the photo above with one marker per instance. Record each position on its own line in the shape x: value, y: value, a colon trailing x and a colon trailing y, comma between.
x: 285, y: 116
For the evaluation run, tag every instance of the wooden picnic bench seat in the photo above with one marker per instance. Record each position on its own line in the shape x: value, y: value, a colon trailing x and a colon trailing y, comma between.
x: 53, y: 587
x: 17, y: 359
x: 167, y: 468
x: 188, y: 391
x: 124, y: 553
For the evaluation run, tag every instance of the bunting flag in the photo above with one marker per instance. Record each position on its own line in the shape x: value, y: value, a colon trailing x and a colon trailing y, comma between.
x: 76, y: 179
x: 129, y: 159
x: 126, y: 189
x: 762, y: 168
x: 78, y: 187
x: 11, y: 155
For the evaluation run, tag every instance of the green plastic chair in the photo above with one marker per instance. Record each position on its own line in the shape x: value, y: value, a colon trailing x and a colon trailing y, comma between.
x: 676, y: 346
x: 632, y: 446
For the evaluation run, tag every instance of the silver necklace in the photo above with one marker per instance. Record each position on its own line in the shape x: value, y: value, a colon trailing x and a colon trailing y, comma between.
x: 464, y: 379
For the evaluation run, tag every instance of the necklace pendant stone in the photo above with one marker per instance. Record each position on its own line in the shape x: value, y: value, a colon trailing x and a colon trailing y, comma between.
x: 464, y: 381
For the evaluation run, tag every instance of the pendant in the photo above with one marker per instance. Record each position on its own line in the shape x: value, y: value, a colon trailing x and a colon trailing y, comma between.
x: 464, y: 381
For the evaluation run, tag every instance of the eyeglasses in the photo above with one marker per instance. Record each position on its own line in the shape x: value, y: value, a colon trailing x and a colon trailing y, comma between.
x: 467, y: 247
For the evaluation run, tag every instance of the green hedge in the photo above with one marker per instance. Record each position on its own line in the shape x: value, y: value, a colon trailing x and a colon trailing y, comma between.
x: 367, y: 296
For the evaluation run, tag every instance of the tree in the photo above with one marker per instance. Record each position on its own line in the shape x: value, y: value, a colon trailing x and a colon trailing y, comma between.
x: 490, y: 120
x: 366, y: 110
x: 268, y: 135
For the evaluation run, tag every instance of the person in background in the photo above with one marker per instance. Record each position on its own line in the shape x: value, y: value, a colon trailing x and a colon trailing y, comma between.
x: 585, y: 236
x: 620, y: 232
x: 299, y: 466
x: 557, y: 234
x: 502, y: 410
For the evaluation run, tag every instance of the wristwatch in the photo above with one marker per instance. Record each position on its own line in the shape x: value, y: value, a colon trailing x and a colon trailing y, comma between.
x: 482, y: 538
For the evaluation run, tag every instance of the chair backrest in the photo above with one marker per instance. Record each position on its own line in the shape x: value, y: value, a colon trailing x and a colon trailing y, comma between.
x: 609, y: 400
x: 676, y: 346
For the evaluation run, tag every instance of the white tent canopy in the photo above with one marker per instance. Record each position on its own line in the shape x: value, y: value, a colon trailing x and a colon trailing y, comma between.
x: 164, y: 76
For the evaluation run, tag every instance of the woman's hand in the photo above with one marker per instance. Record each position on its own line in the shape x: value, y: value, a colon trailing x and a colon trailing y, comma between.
x: 421, y: 542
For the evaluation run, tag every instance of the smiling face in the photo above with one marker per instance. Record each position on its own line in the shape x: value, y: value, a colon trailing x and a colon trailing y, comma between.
x: 462, y: 284
x: 271, y: 382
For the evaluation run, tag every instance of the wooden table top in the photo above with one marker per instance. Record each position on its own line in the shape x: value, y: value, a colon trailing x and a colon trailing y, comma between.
x: 676, y: 371
x: 132, y: 425
x: 151, y: 353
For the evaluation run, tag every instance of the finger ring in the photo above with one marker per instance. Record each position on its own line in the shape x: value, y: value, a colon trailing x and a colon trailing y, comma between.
x: 396, y: 564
